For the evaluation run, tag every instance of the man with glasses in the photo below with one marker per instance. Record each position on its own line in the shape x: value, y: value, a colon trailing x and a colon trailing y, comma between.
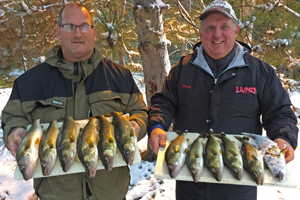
x: 74, y: 81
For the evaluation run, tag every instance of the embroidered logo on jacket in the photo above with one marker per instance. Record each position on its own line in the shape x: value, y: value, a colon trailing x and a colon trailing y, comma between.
x: 246, y: 90
x: 59, y: 103
x: 186, y: 86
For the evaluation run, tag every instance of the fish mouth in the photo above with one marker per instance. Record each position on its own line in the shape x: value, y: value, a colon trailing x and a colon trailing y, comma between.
x: 280, y: 176
x: 90, y: 169
x: 108, y: 162
x: 258, y: 178
x: 66, y: 163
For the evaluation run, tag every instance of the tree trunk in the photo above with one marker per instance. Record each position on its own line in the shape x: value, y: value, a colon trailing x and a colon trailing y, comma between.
x: 152, y: 48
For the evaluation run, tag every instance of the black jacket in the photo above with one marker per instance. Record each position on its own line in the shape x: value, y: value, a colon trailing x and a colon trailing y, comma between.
x: 232, y: 103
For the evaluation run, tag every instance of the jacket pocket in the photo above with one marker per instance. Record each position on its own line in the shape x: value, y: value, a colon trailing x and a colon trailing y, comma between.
x: 105, y: 102
x: 49, y: 110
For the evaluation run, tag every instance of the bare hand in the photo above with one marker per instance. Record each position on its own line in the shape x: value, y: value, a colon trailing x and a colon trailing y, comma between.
x: 158, y: 139
x: 14, y: 140
x: 289, y: 155
x: 136, y: 128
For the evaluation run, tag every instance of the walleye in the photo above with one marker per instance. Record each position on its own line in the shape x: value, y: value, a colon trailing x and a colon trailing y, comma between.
x: 252, y: 160
x: 175, y: 154
x: 213, y: 156
x: 47, y: 149
x: 27, y: 153
x: 272, y: 155
x: 67, y: 143
x: 232, y: 156
x: 125, y: 137
x: 194, y: 159
x: 87, y: 146
x: 107, y: 145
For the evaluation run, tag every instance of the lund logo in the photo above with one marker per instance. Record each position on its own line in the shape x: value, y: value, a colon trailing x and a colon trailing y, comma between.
x: 186, y: 86
x: 246, y: 90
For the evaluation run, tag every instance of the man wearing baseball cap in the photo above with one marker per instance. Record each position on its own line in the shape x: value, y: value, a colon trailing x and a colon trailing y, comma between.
x: 220, y: 86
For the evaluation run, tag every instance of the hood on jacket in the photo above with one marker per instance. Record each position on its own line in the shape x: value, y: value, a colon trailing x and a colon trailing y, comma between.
x: 55, y: 58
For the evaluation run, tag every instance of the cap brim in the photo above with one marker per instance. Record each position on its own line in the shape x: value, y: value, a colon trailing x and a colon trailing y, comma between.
x: 203, y: 15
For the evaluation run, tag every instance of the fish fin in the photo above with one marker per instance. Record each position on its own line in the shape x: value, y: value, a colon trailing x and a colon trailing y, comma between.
x: 202, y: 155
x: 221, y: 152
x: 37, y: 142
x: 109, y: 138
x: 52, y: 144
x: 108, y: 115
x: 185, y: 151
x: 132, y: 134
x: 197, y: 155
x: 72, y: 138
x: 27, y: 145
x: 283, y: 150
x: 176, y: 148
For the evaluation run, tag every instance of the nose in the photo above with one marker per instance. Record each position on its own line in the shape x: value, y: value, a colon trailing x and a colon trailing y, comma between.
x: 217, y: 32
x: 77, y: 32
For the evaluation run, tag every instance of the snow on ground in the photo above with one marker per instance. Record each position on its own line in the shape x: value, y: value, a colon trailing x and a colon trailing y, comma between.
x: 143, y: 185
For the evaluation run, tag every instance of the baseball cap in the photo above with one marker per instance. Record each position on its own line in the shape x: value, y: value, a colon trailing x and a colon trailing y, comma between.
x: 219, y: 6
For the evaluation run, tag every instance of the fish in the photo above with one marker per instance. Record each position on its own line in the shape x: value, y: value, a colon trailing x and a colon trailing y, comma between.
x: 125, y: 137
x: 272, y: 155
x: 87, y: 147
x: 231, y: 156
x: 195, y: 159
x: 213, y: 159
x: 107, y: 145
x: 67, y: 143
x: 175, y: 154
x: 252, y: 160
x: 27, y: 152
x: 47, y: 148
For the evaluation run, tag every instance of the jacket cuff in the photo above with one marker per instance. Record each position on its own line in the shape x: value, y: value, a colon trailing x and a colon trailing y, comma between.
x: 154, y: 127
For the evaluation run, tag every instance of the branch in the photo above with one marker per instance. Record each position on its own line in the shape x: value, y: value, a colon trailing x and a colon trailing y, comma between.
x: 289, y: 10
x: 185, y: 15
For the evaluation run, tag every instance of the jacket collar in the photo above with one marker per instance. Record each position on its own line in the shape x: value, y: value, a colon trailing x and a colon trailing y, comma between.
x: 237, y: 61
x: 55, y: 58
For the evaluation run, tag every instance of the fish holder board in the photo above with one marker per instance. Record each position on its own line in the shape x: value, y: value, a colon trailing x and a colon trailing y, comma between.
x: 77, y: 165
x: 161, y: 169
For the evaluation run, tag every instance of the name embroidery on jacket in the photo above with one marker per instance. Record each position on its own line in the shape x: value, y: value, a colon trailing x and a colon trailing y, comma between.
x: 246, y: 90
x: 186, y: 86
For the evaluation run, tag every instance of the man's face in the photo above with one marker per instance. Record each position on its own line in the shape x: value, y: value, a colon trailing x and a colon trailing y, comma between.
x: 76, y: 46
x: 218, y: 35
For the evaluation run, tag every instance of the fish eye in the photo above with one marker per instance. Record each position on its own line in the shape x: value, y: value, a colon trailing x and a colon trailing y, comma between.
x: 127, y: 152
x: 87, y: 164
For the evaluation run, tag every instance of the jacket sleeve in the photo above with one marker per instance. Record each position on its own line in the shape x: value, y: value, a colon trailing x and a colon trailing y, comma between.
x: 278, y: 118
x: 164, y: 104
x: 13, y: 115
x: 137, y: 109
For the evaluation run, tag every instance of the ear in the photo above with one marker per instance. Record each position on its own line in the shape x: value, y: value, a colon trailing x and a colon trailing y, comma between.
x: 57, y: 32
x: 95, y: 34
x: 200, y: 33
x: 237, y: 30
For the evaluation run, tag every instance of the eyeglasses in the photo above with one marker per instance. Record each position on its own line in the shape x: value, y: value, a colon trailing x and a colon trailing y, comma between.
x: 71, y: 27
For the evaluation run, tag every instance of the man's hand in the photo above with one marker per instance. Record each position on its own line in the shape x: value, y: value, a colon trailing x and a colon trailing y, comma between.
x: 136, y: 128
x: 289, y: 155
x: 14, y: 140
x: 158, y: 139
